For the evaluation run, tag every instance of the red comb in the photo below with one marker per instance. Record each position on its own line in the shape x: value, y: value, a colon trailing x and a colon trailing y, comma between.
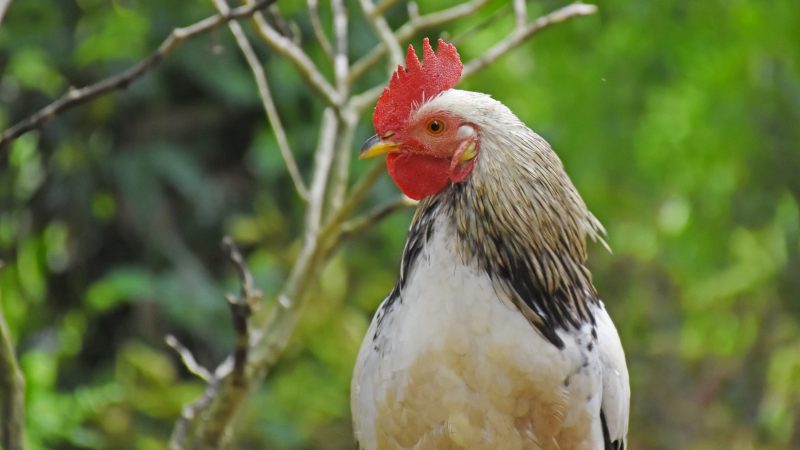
x: 415, y: 83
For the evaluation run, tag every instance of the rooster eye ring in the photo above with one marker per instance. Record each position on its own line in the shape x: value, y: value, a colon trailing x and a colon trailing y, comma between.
x: 435, y: 127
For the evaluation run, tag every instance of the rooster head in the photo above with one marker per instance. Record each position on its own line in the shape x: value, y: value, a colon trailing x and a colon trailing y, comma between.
x: 427, y: 148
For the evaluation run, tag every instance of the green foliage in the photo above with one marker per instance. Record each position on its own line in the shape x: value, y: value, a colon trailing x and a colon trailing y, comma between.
x: 677, y: 120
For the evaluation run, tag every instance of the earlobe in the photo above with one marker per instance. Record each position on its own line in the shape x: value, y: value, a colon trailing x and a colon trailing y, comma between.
x: 467, y: 152
x: 465, y: 131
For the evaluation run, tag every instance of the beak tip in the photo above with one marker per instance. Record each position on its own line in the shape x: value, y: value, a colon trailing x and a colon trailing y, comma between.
x: 375, y: 146
x: 369, y: 143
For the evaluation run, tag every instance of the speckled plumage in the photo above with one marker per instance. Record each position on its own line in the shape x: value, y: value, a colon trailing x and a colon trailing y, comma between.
x: 494, y: 337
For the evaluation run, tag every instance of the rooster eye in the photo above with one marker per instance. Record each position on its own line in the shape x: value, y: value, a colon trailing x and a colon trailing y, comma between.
x: 435, y: 127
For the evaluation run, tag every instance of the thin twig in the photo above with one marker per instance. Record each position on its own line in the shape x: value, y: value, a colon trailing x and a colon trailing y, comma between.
x: 249, y: 291
x: 360, y: 101
x: 345, y: 123
x: 189, y: 413
x: 486, y: 21
x: 187, y: 358
x: 341, y: 63
x: 520, y: 35
x: 413, y: 11
x: 319, y: 31
x: 223, y: 394
x: 287, y: 28
x: 323, y: 159
x: 241, y: 308
x: 289, y: 50
x: 341, y: 172
x: 413, y: 26
x: 122, y: 80
x: 12, y: 392
x: 521, y: 13
x: 355, y: 226
x: 356, y: 194
x: 384, y: 32
x: 381, y: 8
x: 266, y: 100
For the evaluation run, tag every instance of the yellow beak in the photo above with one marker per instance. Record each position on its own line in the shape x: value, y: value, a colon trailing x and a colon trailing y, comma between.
x: 376, y: 146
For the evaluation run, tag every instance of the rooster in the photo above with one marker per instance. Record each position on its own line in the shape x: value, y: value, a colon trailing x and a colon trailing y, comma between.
x: 494, y: 336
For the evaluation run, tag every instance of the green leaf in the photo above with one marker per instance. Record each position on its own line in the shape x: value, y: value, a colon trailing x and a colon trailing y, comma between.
x: 121, y: 34
x: 121, y: 285
x: 32, y: 68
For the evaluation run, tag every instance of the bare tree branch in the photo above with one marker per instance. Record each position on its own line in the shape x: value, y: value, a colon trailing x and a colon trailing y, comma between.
x: 384, y: 32
x: 187, y: 358
x: 382, y: 7
x: 517, y: 37
x: 323, y: 159
x: 289, y: 50
x: 12, y: 392
x: 120, y: 81
x: 341, y: 63
x: 360, y: 102
x: 485, y: 22
x: 319, y: 31
x: 266, y: 100
x: 413, y: 26
x: 341, y: 172
x: 521, y: 13
x: 180, y: 438
x: 413, y: 11
x: 346, y: 128
x: 357, y: 194
x: 286, y: 28
x: 356, y: 226
x: 520, y: 35
x: 215, y: 410
x: 241, y: 309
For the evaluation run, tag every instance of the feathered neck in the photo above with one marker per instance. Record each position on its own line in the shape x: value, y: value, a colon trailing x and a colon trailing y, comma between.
x: 519, y: 218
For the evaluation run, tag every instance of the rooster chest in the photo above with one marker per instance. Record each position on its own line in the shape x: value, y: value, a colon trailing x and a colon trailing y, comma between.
x: 451, y: 364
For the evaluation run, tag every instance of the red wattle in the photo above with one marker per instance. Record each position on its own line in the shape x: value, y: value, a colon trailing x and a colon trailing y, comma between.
x: 418, y: 176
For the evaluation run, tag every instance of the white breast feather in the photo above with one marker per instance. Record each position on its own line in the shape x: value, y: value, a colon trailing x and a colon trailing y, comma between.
x: 483, y: 352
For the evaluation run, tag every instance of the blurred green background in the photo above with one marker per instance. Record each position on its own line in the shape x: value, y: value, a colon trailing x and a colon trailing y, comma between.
x: 678, y: 121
